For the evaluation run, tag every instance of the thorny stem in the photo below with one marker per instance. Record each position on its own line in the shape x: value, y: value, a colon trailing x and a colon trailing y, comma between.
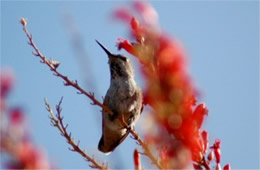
x: 67, y: 82
x: 57, y: 121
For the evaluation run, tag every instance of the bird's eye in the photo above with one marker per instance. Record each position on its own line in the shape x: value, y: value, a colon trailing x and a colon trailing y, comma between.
x: 122, y: 57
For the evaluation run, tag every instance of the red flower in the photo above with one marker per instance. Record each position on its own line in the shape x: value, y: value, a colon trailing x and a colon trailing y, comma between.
x: 168, y: 89
x: 199, y: 114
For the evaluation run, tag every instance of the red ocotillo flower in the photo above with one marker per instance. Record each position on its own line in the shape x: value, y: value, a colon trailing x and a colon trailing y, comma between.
x: 168, y: 87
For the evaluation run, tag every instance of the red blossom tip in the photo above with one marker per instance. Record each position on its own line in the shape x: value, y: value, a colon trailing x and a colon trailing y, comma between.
x: 147, y: 12
x: 137, y: 160
x: 210, y: 156
x: 122, y: 14
x: 134, y: 24
x: 217, y: 155
x: 227, y: 167
x: 125, y: 44
x: 217, y: 143
x: 199, y: 114
x: 205, y: 138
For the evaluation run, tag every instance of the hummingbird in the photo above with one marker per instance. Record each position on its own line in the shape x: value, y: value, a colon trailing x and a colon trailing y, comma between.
x: 124, y: 98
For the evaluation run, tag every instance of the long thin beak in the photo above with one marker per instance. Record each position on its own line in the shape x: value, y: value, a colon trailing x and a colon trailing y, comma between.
x: 104, y: 48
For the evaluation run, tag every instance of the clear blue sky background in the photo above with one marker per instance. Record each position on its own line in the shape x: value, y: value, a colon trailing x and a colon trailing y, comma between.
x: 221, y: 38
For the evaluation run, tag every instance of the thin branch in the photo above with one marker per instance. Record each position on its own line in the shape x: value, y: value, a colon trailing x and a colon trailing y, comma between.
x: 53, y: 65
x: 57, y: 121
x: 145, y: 147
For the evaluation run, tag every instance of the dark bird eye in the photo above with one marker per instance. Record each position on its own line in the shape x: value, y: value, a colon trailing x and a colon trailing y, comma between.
x: 122, y: 57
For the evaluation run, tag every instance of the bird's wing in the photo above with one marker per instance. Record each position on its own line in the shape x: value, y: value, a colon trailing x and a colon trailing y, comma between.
x: 108, y: 143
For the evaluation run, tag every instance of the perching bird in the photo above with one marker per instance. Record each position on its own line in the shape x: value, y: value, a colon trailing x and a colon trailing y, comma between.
x: 123, y: 98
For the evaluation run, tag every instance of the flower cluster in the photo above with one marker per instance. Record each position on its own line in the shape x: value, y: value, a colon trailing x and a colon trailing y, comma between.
x: 168, y: 89
x: 15, y: 140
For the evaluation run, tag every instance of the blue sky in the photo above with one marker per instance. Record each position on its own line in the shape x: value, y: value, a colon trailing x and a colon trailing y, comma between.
x: 222, y: 41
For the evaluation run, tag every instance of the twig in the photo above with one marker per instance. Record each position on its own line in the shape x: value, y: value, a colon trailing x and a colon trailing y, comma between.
x: 67, y: 82
x: 53, y: 65
x: 57, y: 121
x: 145, y: 147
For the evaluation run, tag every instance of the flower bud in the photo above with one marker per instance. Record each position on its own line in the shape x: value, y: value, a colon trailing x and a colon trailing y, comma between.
x: 199, y: 114
x: 205, y: 137
x: 227, y: 167
x: 134, y: 24
x: 23, y: 21
x: 217, y: 143
x: 137, y: 162
x: 217, y: 155
x: 210, y: 155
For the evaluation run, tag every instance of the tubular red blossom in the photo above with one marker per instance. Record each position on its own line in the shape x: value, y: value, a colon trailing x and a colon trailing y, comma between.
x: 211, y: 156
x: 140, y: 6
x: 190, y: 136
x: 199, y: 114
x: 125, y: 44
x: 227, y: 167
x: 217, y: 155
x: 147, y: 12
x: 123, y: 14
x: 137, y: 162
x: 205, y: 138
x: 217, y: 143
x: 134, y: 24
x: 216, y: 149
x: 136, y: 30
